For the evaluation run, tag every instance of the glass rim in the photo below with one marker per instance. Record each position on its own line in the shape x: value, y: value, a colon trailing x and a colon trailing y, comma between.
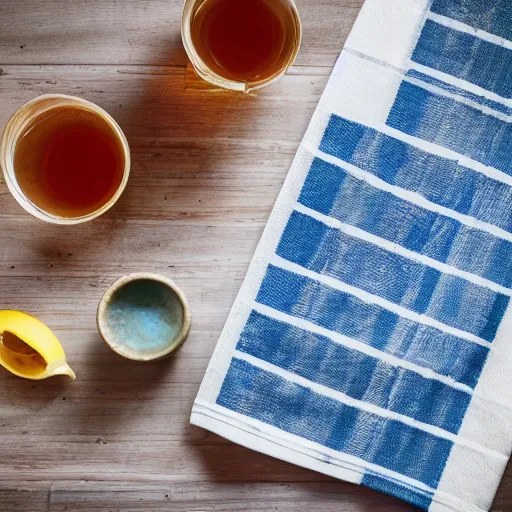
x: 9, y: 141
x: 207, y: 74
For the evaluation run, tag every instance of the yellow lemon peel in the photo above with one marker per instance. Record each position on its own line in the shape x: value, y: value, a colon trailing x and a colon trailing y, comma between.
x: 29, y: 349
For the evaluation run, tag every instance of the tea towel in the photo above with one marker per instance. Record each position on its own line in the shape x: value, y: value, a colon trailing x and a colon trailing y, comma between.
x: 372, y: 336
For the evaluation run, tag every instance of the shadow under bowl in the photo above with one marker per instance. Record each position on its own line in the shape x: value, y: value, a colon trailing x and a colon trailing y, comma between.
x: 144, y: 317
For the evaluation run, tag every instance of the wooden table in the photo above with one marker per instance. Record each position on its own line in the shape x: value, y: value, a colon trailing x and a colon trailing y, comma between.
x: 207, y: 167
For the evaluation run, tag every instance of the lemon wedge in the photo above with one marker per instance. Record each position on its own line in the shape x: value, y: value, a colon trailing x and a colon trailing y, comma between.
x: 29, y: 349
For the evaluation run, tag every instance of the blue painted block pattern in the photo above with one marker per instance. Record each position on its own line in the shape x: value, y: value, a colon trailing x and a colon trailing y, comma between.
x: 438, y: 179
x: 372, y: 325
x: 465, y: 56
x: 349, y: 371
x: 481, y: 100
x: 493, y: 16
x: 453, y: 125
x: 391, y: 444
x: 332, y: 191
x: 443, y: 297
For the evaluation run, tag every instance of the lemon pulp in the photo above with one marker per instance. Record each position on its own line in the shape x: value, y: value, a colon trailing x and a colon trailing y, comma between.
x: 28, y: 348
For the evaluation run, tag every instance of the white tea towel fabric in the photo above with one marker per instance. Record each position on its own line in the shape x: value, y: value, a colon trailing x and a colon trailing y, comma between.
x: 371, y: 338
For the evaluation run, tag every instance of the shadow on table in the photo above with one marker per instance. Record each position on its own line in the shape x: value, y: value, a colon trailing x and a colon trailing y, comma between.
x: 185, y: 139
x: 178, y: 129
x: 100, y: 373
x: 28, y: 397
x: 235, y: 466
x: 231, y: 464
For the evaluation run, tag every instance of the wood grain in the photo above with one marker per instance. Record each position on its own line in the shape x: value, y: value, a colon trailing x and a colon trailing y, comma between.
x: 207, y: 167
x: 141, y: 31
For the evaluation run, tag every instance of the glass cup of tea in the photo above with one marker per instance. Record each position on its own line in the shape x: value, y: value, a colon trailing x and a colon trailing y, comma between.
x: 241, y: 45
x: 64, y: 159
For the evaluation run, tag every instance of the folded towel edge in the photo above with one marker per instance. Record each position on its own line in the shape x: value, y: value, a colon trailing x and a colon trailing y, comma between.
x: 238, y: 431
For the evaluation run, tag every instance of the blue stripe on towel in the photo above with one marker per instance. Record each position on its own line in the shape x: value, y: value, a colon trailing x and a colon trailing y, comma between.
x: 493, y: 16
x: 465, y: 56
x: 332, y: 191
x: 499, y: 107
x: 391, y: 444
x: 345, y: 314
x: 446, y: 122
x: 440, y: 180
x: 417, y: 497
x: 449, y: 299
x: 349, y: 371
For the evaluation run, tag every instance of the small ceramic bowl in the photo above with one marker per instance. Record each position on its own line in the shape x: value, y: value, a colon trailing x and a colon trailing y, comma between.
x: 144, y: 317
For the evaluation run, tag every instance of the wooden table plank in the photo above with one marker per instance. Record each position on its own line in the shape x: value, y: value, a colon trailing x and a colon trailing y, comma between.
x: 207, y: 167
x: 140, y: 31
x: 221, y: 497
x: 20, y: 496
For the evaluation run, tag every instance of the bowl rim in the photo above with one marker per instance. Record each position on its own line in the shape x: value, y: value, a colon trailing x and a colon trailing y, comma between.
x: 122, y: 282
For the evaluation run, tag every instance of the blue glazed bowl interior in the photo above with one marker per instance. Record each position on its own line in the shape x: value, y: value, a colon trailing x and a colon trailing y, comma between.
x: 144, y: 318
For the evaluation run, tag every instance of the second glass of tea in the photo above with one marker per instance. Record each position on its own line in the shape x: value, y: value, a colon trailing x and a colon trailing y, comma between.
x: 241, y: 45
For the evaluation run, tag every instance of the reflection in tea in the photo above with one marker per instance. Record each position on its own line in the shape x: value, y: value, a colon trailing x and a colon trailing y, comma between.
x: 245, y: 41
x: 69, y: 161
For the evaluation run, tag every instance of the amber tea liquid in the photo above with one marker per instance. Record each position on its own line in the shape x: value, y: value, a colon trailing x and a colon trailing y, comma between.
x: 69, y: 162
x: 245, y: 40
